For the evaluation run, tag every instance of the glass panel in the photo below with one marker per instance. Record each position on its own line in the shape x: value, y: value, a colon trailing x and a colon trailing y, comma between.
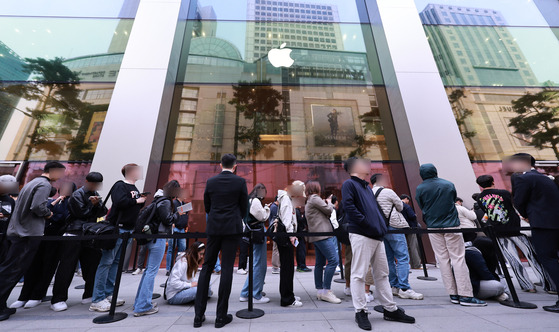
x: 71, y: 8
x: 285, y: 11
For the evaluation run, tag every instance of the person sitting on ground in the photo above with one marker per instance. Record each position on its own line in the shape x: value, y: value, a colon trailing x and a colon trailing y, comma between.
x: 182, y: 284
x: 485, y: 282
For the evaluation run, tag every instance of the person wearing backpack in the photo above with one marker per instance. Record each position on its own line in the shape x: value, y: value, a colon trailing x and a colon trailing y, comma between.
x: 127, y: 202
x: 161, y: 216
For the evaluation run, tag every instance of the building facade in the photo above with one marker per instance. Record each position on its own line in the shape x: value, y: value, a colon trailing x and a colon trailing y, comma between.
x: 291, y: 87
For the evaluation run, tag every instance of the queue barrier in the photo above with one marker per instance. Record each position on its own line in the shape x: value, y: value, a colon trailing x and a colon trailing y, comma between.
x: 251, y: 312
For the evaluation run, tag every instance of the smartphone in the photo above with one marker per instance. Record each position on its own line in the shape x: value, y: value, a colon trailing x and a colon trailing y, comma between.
x: 296, y: 243
x: 145, y: 193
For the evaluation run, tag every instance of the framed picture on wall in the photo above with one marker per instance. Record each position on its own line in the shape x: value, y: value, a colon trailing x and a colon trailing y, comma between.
x: 333, y: 126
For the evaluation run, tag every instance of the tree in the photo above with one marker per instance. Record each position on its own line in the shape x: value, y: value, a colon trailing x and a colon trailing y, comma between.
x: 461, y: 114
x: 536, y: 122
x: 54, y: 88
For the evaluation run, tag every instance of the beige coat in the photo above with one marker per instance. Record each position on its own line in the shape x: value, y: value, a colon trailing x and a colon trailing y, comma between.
x: 318, y: 213
x: 387, y: 199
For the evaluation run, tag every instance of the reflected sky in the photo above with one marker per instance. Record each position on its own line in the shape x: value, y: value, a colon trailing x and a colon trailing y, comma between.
x: 66, y: 8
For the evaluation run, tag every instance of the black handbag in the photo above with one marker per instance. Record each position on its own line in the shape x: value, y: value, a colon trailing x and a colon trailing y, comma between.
x: 341, y: 232
x: 255, y: 227
x: 100, y: 228
x: 278, y: 233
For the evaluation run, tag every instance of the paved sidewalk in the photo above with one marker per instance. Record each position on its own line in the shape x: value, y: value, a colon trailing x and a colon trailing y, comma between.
x: 434, y: 313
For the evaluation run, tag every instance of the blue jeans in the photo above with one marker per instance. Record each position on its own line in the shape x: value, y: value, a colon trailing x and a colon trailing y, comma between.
x: 145, y: 289
x: 186, y: 296
x: 397, y: 250
x: 325, y: 251
x: 259, y: 266
x: 217, y: 267
x: 107, y: 270
x: 181, y: 246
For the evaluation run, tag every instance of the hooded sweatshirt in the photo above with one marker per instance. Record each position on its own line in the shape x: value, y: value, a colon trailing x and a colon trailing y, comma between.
x: 287, y: 212
x: 436, y: 197
x: 177, y: 278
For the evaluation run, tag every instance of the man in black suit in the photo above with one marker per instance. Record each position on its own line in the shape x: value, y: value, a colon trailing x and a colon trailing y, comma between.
x: 225, y: 201
x: 536, y: 197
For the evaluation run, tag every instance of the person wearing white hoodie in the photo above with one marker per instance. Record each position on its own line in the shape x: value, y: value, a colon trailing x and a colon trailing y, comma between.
x: 182, y: 284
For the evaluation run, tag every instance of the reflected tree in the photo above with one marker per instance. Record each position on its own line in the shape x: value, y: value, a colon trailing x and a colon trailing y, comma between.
x: 58, y: 111
x: 371, y: 126
x: 461, y: 114
x: 536, y: 122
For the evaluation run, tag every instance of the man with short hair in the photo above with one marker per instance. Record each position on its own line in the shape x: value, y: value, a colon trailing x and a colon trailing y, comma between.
x: 226, y: 204
x: 436, y: 198
x: 366, y: 228
x: 411, y: 239
x: 127, y: 203
x: 395, y: 244
x: 536, y: 198
x: 27, y: 221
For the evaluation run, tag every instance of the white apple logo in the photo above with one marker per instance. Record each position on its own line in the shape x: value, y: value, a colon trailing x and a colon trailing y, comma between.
x: 280, y: 57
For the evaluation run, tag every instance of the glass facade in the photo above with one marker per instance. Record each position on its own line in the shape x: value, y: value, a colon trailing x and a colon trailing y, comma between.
x: 58, y: 66
x: 495, y: 60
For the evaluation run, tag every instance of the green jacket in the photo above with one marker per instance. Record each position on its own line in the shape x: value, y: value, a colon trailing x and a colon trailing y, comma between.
x: 436, y: 198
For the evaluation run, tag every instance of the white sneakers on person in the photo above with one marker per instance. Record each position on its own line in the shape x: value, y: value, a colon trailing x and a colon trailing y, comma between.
x: 136, y: 272
x: 275, y: 270
x: 18, y: 304
x: 369, y: 296
x: 328, y: 296
x: 32, y: 304
x: 59, y: 306
x: 241, y: 271
x: 347, y: 291
x: 151, y: 311
x: 296, y: 304
x: 297, y: 298
x: 395, y: 291
x: 503, y: 297
x: 119, y: 302
x: 86, y: 301
x: 262, y: 300
x: 243, y: 299
x: 102, y: 306
x: 319, y: 293
x: 410, y: 294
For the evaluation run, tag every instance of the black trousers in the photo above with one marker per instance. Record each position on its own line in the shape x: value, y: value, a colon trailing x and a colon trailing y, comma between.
x: 17, y: 261
x: 243, y: 255
x: 546, y: 245
x: 71, y: 252
x: 286, y: 275
x: 39, y: 275
x: 301, y: 253
x: 228, y: 247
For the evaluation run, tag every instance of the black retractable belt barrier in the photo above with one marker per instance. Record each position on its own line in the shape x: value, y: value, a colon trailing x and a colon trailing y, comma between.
x: 425, y: 275
x: 341, y: 279
x: 250, y: 312
x: 113, y: 316
x: 515, y: 303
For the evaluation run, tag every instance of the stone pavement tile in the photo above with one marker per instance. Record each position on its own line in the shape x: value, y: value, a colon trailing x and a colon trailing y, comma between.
x: 132, y: 328
x: 300, y: 325
x: 457, y: 323
x: 536, y: 319
x: 378, y: 323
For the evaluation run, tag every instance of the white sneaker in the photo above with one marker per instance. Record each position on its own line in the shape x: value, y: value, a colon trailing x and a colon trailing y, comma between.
x: 151, y: 311
x: 86, y: 301
x: 136, y: 272
x: 243, y: 299
x: 32, y: 304
x: 503, y: 297
x: 102, y: 306
x: 296, y: 304
x: 119, y: 302
x: 369, y: 296
x: 262, y: 300
x: 59, y: 306
x: 347, y: 291
x: 275, y: 270
x: 18, y: 304
x: 297, y: 298
x: 410, y: 294
x: 395, y: 291
x: 241, y: 271
x: 328, y: 296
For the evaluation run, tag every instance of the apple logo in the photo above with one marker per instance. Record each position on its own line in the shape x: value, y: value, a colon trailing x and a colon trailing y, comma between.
x: 280, y: 57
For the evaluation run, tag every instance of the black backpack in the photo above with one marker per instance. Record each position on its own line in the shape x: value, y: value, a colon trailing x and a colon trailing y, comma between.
x: 148, y: 222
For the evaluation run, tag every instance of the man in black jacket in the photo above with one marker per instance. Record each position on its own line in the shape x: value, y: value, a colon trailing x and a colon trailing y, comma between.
x: 536, y: 198
x: 225, y: 201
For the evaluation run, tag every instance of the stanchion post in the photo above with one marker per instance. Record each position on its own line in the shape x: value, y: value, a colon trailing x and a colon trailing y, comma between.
x: 425, y: 275
x: 515, y: 303
x: 112, y: 317
x: 250, y: 313
x: 341, y: 279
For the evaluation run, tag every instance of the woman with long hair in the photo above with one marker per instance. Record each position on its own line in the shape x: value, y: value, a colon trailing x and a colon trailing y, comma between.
x: 258, y: 214
x: 182, y: 283
x: 318, y: 213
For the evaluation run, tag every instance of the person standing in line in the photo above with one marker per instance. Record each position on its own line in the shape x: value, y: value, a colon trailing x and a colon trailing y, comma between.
x: 318, y: 212
x: 182, y: 286
x: 301, y: 250
x: 8, y: 185
x: 141, y: 263
x: 258, y: 215
x: 395, y: 244
x: 275, y: 252
x: 179, y: 227
x: 498, y: 206
x: 535, y: 196
x: 225, y: 202
x: 243, y: 258
x: 436, y: 198
x: 467, y: 219
x: 163, y: 218
x: 411, y: 239
x: 127, y: 202
x: 366, y: 228
x: 288, y: 218
x: 28, y: 220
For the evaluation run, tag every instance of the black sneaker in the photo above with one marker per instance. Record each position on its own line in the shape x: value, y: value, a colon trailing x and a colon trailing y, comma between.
x: 552, y: 308
x: 362, y: 320
x: 398, y: 316
x: 199, y: 320
x: 455, y: 299
x: 471, y: 302
x: 221, y: 322
x: 6, y: 313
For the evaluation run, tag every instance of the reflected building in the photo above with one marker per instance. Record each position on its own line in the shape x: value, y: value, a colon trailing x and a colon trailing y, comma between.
x: 11, y: 69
